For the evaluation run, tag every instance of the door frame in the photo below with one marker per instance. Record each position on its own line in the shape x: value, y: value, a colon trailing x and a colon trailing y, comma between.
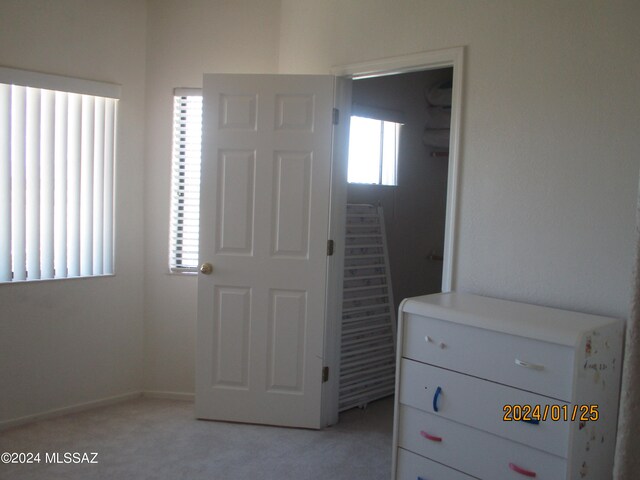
x: 429, y: 60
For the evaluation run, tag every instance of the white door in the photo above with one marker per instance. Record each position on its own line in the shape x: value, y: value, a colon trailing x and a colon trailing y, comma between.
x: 265, y: 205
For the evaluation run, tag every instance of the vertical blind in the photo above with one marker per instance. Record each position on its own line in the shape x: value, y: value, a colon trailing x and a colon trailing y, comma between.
x: 56, y: 177
x: 185, y: 185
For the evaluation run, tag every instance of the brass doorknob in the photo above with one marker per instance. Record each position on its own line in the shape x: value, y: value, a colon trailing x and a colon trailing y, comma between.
x: 206, y: 268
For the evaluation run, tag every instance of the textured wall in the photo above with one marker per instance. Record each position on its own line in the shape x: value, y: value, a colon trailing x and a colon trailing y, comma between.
x: 549, y: 163
x: 186, y: 40
x: 68, y: 342
x: 549, y: 159
x: 549, y: 154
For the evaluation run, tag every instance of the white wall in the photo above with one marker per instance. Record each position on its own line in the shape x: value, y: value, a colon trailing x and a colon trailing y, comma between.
x: 549, y: 166
x: 185, y: 40
x: 549, y: 158
x: 68, y: 342
x: 548, y: 177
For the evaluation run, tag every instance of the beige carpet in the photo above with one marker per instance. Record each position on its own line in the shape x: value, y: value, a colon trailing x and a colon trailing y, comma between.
x: 160, y: 439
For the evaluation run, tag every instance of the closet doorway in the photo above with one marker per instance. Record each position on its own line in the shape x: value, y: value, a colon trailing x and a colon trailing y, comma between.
x: 420, y: 210
x: 396, y: 210
x: 415, y: 207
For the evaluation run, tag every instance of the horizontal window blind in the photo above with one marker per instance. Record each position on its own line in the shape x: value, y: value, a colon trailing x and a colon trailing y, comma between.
x: 56, y: 179
x: 185, y: 188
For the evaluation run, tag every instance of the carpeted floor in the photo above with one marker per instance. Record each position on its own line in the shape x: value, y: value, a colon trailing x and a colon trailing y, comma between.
x: 160, y: 439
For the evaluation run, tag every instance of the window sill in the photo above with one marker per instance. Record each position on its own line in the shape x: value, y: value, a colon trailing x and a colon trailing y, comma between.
x: 183, y: 272
x: 45, y: 280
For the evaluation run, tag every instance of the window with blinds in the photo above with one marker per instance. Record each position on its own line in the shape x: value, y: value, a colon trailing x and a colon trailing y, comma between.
x: 57, y: 144
x: 185, y: 183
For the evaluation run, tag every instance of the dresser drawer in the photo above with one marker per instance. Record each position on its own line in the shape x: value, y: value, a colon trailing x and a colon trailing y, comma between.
x: 541, y: 367
x: 479, y: 403
x: 473, y: 451
x: 414, y: 467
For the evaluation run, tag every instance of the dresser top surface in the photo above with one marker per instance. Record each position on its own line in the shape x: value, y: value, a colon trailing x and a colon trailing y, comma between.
x: 542, y: 323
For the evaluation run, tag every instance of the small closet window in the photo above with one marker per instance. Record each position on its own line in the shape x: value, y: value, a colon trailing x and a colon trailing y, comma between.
x: 373, y: 146
x: 373, y: 151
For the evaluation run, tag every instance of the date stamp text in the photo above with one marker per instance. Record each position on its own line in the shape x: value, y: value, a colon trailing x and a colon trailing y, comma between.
x: 555, y: 413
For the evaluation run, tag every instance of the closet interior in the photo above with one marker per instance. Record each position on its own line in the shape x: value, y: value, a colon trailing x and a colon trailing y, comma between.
x: 395, y: 231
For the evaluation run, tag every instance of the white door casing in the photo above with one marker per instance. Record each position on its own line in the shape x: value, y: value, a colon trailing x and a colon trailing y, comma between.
x: 265, y: 211
x: 448, y: 57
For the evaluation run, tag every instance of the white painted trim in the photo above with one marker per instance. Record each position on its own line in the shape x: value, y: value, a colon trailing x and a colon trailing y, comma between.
x: 58, y: 412
x: 25, y: 78
x: 449, y: 57
x: 454, y: 167
x: 414, y: 62
x: 396, y: 400
x: 187, y: 92
x: 184, y: 396
x: 335, y: 263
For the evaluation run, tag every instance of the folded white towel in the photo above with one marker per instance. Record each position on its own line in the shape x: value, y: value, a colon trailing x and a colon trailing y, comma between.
x: 436, y: 137
x: 439, y: 95
x: 438, y: 117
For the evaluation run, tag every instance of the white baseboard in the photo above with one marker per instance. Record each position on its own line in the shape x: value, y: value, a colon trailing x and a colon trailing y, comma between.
x: 58, y: 412
x: 187, y: 397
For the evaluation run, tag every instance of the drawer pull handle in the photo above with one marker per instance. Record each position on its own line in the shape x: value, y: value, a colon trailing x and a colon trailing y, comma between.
x: 532, y: 421
x: 532, y: 366
x: 433, y: 438
x: 522, y: 471
x: 428, y: 339
x: 435, y: 398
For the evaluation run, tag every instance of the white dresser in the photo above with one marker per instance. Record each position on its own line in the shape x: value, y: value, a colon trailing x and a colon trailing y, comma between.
x: 466, y: 361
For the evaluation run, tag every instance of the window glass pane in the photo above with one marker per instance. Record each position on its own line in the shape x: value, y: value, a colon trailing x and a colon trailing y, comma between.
x: 364, y: 150
x: 373, y: 151
x: 185, y: 198
x: 56, y: 163
x: 390, y: 153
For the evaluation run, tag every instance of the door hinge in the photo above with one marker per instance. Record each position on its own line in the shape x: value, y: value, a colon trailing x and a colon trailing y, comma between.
x: 329, y: 248
x: 336, y: 116
x: 325, y: 374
